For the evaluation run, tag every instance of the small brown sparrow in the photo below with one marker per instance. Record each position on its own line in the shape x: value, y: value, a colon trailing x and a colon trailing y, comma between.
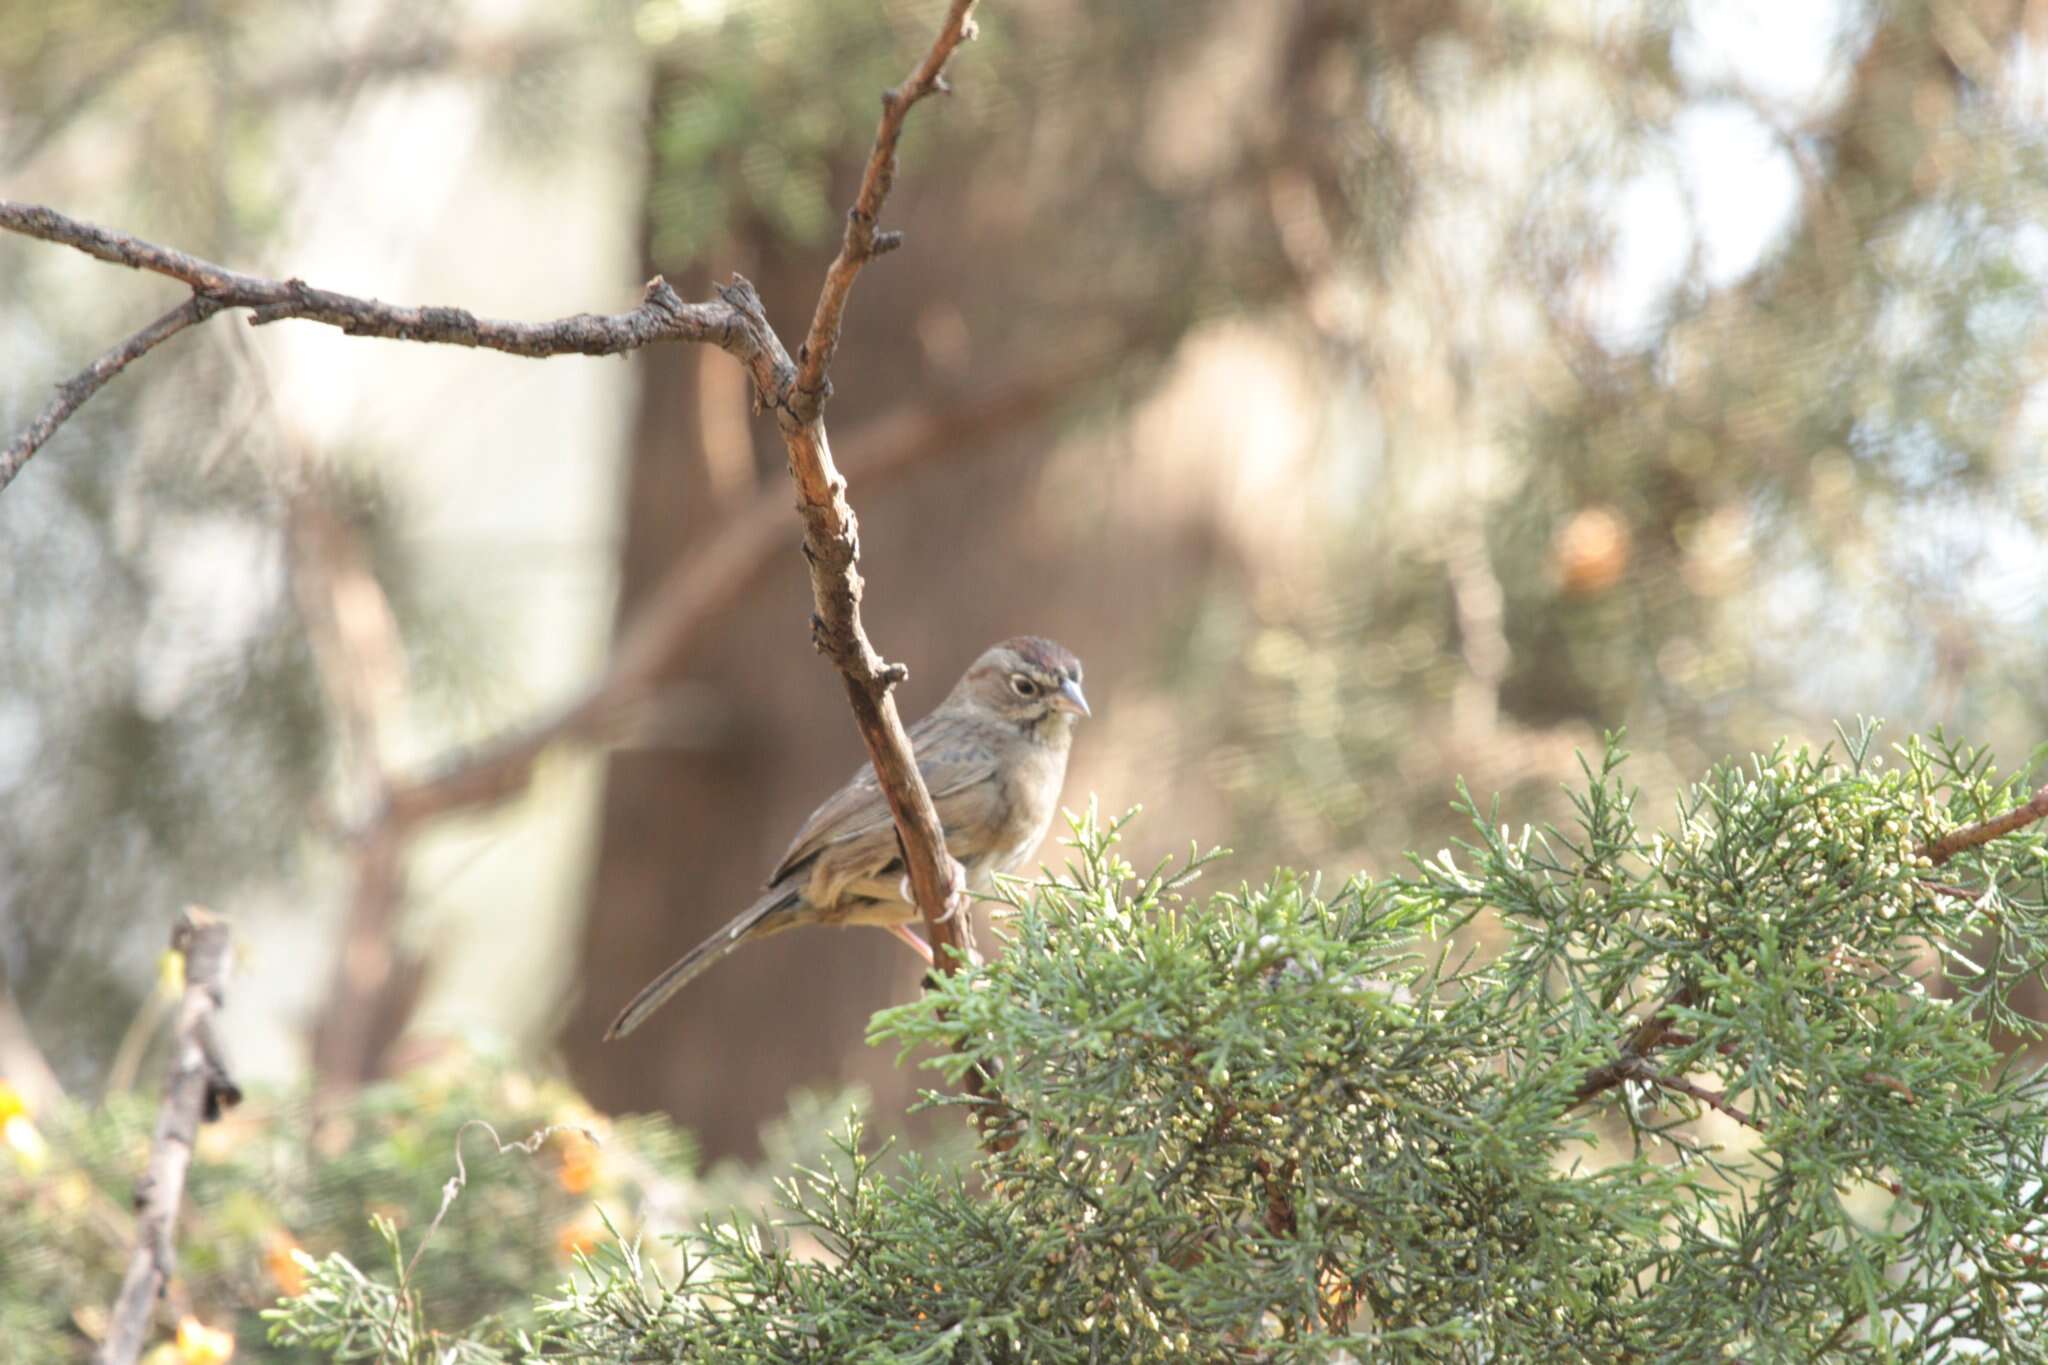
x: 994, y: 756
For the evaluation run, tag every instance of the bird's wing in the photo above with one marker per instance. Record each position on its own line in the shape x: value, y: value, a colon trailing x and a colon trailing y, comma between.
x: 952, y: 766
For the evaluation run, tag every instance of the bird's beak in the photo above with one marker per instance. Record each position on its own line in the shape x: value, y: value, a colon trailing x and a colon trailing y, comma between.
x: 1070, y: 699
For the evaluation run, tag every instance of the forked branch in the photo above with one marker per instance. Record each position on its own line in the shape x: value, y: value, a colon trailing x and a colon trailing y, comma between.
x: 733, y: 321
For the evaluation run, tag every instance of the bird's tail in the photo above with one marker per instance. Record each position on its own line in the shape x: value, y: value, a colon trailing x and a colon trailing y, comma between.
x: 764, y: 916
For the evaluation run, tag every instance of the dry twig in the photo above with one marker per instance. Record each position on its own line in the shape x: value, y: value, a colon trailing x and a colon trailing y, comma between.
x: 454, y: 1185
x: 862, y: 241
x: 733, y: 322
x: 661, y: 316
x: 73, y: 392
x: 832, y: 533
x: 198, y: 1090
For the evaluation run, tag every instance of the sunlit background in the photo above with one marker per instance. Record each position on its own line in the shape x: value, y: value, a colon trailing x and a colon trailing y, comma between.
x: 1372, y: 395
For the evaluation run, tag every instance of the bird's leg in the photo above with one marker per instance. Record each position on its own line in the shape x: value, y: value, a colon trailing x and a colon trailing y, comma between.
x: 917, y: 945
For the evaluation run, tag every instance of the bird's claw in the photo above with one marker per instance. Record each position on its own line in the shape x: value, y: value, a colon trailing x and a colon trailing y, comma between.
x: 917, y: 945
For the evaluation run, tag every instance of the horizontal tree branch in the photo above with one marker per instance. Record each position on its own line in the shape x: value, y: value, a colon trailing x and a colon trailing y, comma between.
x: 661, y: 316
x: 734, y: 321
x: 197, y: 1090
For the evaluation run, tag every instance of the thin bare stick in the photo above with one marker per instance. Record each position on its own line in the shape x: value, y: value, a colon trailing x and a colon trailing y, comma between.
x: 73, y: 392
x: 733, y: 321
x: 661, y: 316
x: 197, y: 1090
x: 861, y: 242
x: 452, y: 1188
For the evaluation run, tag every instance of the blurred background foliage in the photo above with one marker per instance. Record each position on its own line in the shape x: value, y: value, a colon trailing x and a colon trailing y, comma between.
x: 284, y: 1177
x: 1371, y: 394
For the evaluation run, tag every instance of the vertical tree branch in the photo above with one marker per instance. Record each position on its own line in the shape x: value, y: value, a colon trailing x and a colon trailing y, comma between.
x: 197, y: 1090
x: 861, y: 242
x: 832, y: 532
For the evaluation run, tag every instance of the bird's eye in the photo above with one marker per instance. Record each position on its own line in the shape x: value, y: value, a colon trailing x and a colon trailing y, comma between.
x: 1023, y: 686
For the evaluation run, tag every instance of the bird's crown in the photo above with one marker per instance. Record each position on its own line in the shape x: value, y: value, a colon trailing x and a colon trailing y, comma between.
x: 1048, y: 656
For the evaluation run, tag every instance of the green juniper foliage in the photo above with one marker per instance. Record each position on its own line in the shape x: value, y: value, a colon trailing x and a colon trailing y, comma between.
x: 1724, y: 1091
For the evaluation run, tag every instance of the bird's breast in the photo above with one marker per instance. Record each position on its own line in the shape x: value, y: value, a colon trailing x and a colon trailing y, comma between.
x: 1032, y: 790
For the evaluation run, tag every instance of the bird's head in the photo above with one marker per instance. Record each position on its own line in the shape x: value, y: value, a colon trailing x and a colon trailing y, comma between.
x: 1029, y: 681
